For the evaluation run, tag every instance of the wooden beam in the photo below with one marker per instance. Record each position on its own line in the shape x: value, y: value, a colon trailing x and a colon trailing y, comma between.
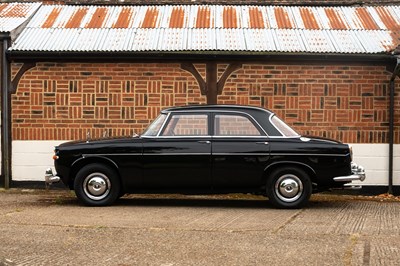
x: 14, y: 83
x: 211, y: 82
x: 228, y: 71
x: 192, y: 69
x: 211, y: 87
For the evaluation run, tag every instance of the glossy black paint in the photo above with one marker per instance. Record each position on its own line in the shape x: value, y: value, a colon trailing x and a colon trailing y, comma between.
x: 208, y: 164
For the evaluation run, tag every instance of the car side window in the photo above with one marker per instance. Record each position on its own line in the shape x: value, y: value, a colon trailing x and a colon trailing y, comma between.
x: 234, y: 125
x: 187, y: 125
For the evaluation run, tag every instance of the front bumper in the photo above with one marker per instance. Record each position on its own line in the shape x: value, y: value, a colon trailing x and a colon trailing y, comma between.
x: 50, y: 177
x: 358, y: 174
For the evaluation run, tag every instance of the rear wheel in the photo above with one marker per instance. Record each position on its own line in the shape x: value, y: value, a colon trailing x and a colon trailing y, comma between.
x: 289, y: 187
x: 97, y: 185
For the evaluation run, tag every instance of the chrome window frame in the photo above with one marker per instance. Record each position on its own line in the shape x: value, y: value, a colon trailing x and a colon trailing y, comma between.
x: 212, y: 113
x: 282, y: 135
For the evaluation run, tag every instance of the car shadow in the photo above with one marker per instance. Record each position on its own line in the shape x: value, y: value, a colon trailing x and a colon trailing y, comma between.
x: 193, y: 203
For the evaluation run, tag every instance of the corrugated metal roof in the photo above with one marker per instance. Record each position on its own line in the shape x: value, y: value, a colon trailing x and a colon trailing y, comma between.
x: 212, y: 27
x: 13, y: 15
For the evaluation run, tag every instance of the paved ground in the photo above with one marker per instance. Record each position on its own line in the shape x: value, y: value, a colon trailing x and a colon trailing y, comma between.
x: 51, y: 228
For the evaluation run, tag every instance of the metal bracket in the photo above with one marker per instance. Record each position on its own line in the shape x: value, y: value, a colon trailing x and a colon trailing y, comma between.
x: 396, y: 70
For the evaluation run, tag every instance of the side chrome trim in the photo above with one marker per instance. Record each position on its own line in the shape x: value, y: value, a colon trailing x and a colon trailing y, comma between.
x: 180, y: 154
x: 308, y: 154
x: 182, y: 137
x: 108, y: 154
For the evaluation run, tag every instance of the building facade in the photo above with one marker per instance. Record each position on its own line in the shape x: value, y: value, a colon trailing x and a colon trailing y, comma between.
x: 325, y: 70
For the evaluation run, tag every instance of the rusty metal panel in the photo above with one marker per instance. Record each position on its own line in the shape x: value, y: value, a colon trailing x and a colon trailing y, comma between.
x: 389, y: 15
x: 212, y: 28
x: 283, y: 17
x: 201, y: 17
x: 228, y: 17
x: 12, y: 15
x: 255, y: 17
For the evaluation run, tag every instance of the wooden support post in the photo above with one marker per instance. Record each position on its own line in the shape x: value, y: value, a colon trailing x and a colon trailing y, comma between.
x: 211, y: 87
x: 211, y: 82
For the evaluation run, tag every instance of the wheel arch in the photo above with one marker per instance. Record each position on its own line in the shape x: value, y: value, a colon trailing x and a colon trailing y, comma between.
x: 308, y: 169
x: 86, y: 160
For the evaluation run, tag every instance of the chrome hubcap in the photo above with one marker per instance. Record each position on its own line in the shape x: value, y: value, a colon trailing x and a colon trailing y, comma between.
x: 96, y: 186
x: 288, y: 188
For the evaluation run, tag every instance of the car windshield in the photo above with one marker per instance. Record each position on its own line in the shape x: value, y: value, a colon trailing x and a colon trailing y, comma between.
x: 283, y: 127
x: 154, y: 127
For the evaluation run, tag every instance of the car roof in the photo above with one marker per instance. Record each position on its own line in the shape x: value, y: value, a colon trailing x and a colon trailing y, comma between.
x: 218, y: 107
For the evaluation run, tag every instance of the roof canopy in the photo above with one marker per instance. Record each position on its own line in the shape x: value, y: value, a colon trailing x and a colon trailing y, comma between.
x: 205, y: 28
x: 13, y: 15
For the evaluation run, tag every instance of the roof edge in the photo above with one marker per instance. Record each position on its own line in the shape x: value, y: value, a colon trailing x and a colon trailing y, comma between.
x: 217, y: 56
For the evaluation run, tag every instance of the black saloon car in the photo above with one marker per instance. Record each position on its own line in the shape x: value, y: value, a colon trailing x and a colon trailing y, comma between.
x: 207, y: 149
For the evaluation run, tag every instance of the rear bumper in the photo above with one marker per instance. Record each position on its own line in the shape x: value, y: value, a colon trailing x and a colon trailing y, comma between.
x: 50, y: 177
x: 358, y: 174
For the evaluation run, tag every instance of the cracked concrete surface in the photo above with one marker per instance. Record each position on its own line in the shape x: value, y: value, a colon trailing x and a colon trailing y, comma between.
x: 51, y: 228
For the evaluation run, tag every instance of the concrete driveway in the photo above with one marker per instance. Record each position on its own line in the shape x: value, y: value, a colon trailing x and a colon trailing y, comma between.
x: 52, y: 228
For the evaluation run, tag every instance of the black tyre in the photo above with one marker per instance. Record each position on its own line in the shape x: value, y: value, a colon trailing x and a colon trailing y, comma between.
x: 97, y: 185
x: 289, y: 188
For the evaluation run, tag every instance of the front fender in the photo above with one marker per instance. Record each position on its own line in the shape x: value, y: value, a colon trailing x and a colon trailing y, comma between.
x: 93, y: 158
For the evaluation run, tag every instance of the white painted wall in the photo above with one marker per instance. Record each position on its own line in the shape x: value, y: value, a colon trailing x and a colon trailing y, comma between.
x: 32, y: 158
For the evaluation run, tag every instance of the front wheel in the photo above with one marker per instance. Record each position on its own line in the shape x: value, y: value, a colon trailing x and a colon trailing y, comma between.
x: 97, y: 185
x: 289, y: 188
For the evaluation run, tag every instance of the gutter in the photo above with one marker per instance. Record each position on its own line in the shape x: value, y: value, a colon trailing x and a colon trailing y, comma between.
x: 396, y: 72
x: 193, y: 57
x: 5, y: 113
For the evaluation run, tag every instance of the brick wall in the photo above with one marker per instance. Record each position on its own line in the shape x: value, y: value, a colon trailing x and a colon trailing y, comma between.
x: 65, y: 101
x: 220, y: 2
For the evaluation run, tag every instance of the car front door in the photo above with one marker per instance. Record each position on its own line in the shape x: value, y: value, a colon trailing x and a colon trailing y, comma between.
x: 240, y: 151
x: 179, y: 158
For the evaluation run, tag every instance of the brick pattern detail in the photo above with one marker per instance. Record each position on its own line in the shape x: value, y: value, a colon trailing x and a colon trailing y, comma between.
x: 65, y: 101
x: 222, y: 2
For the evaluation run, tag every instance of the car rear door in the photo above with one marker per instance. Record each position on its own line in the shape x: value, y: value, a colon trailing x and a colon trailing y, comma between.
x: 180, y: 157
x: 240, y: 151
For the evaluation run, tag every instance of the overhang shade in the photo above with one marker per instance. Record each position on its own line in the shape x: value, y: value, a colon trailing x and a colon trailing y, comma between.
x: 343, y: 30
x: 13, y: 15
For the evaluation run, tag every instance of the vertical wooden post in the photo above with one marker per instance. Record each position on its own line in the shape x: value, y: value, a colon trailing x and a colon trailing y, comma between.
x: 211, y: 83
x: 211, y: 87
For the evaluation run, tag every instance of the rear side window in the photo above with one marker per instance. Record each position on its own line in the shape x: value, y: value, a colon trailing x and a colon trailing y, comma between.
x: 234, y: 125
x: 187, y: 125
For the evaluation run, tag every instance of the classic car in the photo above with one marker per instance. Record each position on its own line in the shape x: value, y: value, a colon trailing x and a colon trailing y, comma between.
x: 206, y: 149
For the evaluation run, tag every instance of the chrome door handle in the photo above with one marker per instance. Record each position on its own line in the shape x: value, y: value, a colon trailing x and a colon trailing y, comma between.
x: 204, y: 141
x: 263, y: 142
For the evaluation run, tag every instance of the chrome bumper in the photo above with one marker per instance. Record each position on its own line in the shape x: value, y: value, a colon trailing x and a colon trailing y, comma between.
x: 50, y: 177
x: 358, y: 174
